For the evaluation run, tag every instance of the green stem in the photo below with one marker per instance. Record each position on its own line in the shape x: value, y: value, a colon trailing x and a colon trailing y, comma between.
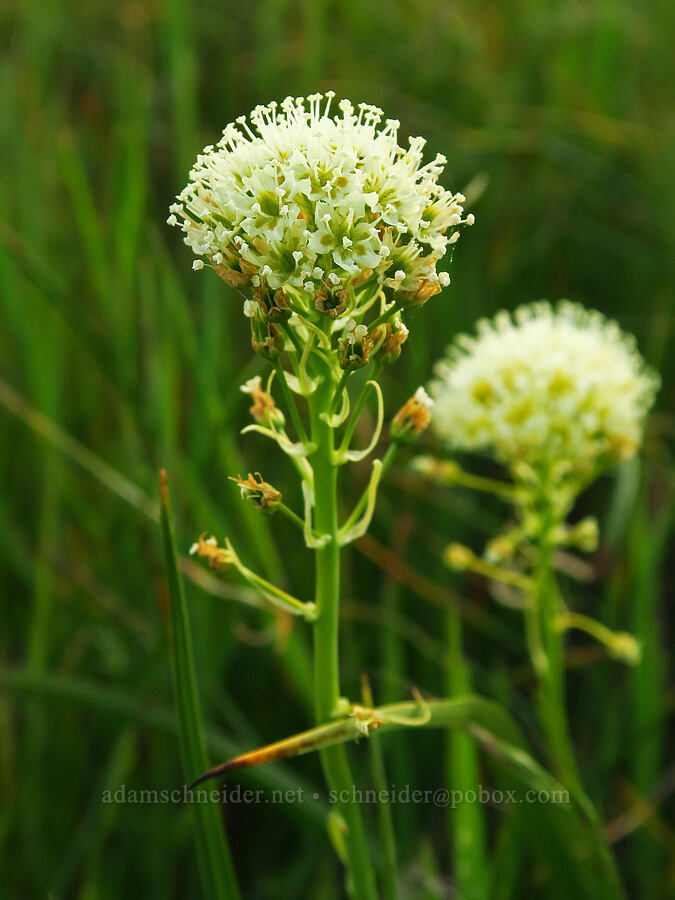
x: 293, y: 516
x: 326, y: 659
x: 292, y: 336
x: 550, y: 670
x: 488, y: 485
x: 384, y: 317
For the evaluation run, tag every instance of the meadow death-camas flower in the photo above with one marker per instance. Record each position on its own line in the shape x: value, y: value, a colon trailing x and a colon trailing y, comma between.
x: 547, y: 384
x: 315, y: 201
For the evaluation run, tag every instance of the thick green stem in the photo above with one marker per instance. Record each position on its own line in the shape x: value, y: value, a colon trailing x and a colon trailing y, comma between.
x: 551, y: 688
x: 326, y: 659
x: 550, y: 670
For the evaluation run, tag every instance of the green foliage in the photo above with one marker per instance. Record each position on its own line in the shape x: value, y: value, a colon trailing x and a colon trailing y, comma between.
x: 215, y: 861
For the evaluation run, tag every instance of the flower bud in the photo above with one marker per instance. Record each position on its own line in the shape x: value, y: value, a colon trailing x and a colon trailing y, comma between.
x: 625, y: 648
x: 412, y: 418
x: 458, y: 557
x: 502, y: 548
x: 444, y: 471
x: 261, y: 494
x: 585, y: 534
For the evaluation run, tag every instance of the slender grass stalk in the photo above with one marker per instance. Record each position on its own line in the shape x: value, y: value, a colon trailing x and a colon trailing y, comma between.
x: 215, y: 862
x: 465, y: 821
x: 385, y: 818
x: 326, y: 658
x: 647, y: 685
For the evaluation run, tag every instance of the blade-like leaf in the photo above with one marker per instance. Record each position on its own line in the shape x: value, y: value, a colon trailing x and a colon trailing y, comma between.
x: 215, y: 862
x: 461, y: 712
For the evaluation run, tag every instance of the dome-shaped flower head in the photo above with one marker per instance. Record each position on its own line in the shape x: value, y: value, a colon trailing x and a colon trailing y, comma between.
x: 317, y: 200
x: 545, y: 385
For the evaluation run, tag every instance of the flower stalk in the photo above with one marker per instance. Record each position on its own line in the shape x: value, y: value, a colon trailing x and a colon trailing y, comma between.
x: 556, y: 394
x: 332, y: 229
x: 548, y: 661
x: 327, y: 698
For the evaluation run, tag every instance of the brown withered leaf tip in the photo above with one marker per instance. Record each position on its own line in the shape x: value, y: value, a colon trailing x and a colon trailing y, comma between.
x: 294, y: 746
x: 163, y: 487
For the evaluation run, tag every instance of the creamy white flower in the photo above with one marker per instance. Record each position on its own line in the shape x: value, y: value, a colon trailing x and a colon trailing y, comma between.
x: 302, y: 196
x: 548, y: 384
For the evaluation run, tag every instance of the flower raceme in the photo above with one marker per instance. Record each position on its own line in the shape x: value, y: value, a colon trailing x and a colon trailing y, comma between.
x: 313, y: 205
x: 546, y: 385
x: 331, y: 231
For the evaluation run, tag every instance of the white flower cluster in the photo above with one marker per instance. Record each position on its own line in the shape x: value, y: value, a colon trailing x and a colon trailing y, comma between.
x: 304, y: 199
x: 548, y: 384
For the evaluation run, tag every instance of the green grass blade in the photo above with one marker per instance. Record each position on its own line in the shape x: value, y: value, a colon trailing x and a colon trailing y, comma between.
x: 389, y: 866
x: 215, y: 862
x: 52, y: 686
x: 466, y: 821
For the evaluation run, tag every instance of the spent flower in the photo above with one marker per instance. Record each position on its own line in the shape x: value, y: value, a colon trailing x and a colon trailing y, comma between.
x: 388, y: 339
x: 264, y: 410
x: 208, y: 548
x: 412, y: 418
x: 261, y: 494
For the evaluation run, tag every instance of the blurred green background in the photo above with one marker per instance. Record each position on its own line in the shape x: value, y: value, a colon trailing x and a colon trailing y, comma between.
x: 116, y: 359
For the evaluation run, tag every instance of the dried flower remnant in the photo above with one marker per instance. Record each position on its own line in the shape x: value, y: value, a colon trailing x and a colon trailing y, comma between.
x: 261, y: 494
x: 264, y: 410
x: 388, y: 339
x: 208, y: 549
x: 354, y: 349
x: 412, y: 418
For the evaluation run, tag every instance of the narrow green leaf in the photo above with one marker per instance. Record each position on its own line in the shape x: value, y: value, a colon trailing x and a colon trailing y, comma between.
x: 466, y: 821
x: 461, y: 712
x: 215, y: 862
